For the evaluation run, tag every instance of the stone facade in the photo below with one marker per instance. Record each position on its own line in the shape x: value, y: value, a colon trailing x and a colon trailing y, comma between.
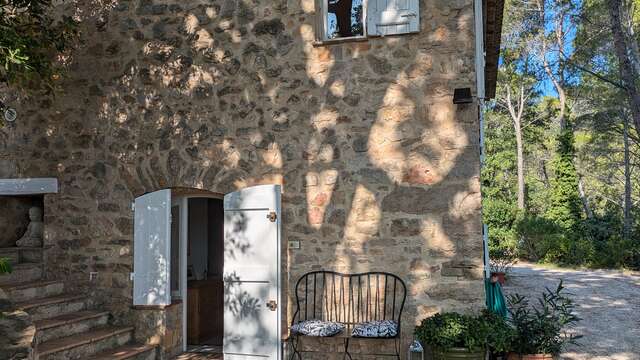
x: 380, y: 170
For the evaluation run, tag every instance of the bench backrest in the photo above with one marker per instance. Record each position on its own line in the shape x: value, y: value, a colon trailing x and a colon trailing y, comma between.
x: 349, y: 298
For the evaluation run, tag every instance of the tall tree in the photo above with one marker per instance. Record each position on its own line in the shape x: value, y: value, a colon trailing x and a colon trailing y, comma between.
x: 628, y: 72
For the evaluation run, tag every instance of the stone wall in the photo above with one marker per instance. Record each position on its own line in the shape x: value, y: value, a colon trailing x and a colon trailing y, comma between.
x: 380, y: 171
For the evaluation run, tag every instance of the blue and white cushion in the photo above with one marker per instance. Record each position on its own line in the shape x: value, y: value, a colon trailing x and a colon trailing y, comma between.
x: 317, y: 328
x: 376, y: 329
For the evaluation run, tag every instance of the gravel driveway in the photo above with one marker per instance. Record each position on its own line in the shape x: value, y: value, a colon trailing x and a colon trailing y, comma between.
x: 607, y: 301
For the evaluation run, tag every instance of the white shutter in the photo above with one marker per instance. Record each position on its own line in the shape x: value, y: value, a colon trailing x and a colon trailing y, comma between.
x: 152, y: 249
x: 392, y: 17
x: 252, y: 303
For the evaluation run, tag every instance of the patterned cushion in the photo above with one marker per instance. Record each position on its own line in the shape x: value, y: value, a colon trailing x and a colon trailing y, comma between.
x: 376, y: 329
x: 317, y: 328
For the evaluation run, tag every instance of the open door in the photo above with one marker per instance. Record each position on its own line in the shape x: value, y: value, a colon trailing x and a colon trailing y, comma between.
x: 252, y: 310
x: 152, y: 249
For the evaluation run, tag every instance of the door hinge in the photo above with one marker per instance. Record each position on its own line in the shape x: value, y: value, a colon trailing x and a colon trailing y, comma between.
x: 131, y: 276
x: 272, y: 216
x: 133, y: 206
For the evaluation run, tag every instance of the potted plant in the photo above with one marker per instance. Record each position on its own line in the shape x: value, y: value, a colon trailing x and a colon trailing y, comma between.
x: 540, y: 331
x: 499, y: 335
x: 501, y: 262
x: 454, y: 336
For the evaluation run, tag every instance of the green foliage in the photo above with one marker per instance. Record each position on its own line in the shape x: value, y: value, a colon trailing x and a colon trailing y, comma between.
x: 565, y: 200
x: 476, y: 333
x: 5, y: 266
x: 542, y: 329
x: 554, y: 226
x: 452, y: 330
x: 500, y: 334
x: 538, y: 236
x: 30, y: 39
x: 502, y: 259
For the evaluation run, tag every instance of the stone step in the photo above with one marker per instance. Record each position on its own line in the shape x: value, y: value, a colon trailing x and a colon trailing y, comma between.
x: 22, y: 273
x: 69, y: 324
x: 128, y: 352
x: 52, y: 306
x: 83, y: 346
x: 22, y: 292
x: 22, y: 254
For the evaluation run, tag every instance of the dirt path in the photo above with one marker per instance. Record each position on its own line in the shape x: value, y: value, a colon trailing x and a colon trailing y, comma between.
x: 608, y: 302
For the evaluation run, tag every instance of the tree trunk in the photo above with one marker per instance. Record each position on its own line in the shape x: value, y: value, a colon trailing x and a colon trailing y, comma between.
x: 627, y: 182
x: 585, y: 200
x: 520, y: 154
x: 626, y: 68
x: 558, y: 80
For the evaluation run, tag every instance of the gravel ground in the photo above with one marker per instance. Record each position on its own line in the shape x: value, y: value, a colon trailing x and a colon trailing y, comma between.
x: 608, y: 302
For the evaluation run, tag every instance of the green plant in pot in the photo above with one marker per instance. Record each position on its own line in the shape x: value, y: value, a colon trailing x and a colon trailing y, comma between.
x: 499, y: 334
x: 541, y: 331
x: 454, y: 336
x: 502, y: 260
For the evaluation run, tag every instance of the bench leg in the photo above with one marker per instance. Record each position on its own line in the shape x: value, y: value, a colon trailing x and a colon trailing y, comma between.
x: 346, y: 350
x: 397, y: 346
x: 294, y: 346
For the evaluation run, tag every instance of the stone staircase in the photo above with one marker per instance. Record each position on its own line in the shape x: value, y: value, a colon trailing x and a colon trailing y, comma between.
x: 66, y: 329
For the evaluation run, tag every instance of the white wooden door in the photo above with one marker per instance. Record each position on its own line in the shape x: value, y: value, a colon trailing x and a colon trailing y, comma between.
x: 152, y: 249
x: 252, y: 301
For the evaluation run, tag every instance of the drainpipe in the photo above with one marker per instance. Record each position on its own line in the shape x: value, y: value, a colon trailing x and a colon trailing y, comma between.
x: 480, y: 94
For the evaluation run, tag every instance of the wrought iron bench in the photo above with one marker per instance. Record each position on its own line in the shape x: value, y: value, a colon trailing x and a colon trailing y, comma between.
x: 350, y: 300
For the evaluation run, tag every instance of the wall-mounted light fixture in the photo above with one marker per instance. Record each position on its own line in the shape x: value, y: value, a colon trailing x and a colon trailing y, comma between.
x: 462, y: 96
x: 10, y: 114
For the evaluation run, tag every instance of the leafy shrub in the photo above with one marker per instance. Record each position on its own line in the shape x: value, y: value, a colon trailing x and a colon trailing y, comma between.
x: 5, y: 266
x: 538, y: 236
x: 499, y: 333
x: 453, y: 330
x: 502, y: 260
x: 30, y: 39
x: 542, y: 329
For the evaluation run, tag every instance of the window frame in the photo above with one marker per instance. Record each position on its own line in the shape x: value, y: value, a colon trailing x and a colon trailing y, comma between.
x: 325, y: 22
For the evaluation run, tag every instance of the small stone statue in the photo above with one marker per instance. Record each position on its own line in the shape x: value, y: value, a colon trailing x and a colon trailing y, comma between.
x: 35, y: 231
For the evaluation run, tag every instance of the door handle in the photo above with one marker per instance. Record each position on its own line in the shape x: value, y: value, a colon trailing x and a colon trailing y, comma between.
x: 409, y: 15
x: 272, y: 305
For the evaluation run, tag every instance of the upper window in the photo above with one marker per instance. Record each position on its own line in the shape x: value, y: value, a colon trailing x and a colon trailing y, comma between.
x: 344, y: 19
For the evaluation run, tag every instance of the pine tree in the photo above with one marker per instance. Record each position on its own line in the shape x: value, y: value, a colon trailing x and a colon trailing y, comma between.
x: 565, y: 209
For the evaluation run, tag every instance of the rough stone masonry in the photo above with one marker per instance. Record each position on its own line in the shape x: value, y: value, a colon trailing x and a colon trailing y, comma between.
x: 380, y: 170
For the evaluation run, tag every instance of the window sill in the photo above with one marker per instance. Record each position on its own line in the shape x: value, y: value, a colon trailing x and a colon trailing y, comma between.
x: 340, y: 41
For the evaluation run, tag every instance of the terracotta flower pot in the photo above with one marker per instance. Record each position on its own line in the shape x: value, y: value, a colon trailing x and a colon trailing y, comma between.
x: 514, y: 356
x: 501, y: 277
x: 458, y: 354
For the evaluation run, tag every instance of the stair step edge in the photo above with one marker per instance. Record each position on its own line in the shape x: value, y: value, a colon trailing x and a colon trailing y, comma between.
x: 62, y: 344
x: 123, y: 352
x: 29, y: 284
x: 67, y: 319
x: 48, y: 301
x: 25, y: 265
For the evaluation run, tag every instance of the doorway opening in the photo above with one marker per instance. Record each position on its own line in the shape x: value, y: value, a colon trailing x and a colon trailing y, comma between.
x: 224, y: 252
x: 197, y: 265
